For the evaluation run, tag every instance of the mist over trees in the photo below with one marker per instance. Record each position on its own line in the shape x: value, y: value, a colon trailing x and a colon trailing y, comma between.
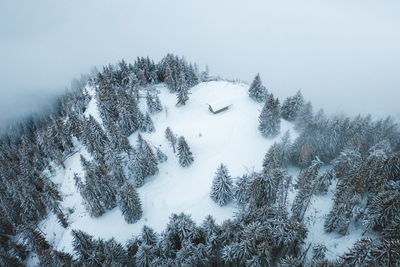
x: 360, y: 154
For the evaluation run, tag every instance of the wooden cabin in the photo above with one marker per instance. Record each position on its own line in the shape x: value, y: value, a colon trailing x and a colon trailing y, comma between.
x: 219, y: 110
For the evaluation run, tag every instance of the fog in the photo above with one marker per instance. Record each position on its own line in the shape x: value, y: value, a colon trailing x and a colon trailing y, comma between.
x: 343, y: 55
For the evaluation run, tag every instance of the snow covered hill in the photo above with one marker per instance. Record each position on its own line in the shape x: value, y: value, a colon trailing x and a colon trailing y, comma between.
x: 230, y: 137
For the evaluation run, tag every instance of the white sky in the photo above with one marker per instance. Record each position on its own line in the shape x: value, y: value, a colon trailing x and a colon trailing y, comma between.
x: 343, y: 55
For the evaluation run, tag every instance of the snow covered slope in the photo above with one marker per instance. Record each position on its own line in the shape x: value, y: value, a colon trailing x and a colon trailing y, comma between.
x: 230, y: 137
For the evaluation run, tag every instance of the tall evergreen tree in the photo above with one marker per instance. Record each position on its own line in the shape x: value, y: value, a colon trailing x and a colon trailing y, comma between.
x: 183, y: 90
x: 257, y: 91
x: 129, y: 202
x: 184, y: 154
x: 161, y: 157
x: 149, y: 159
x: 171, y: 137
x: 304, y: 116
x: 221, y: 190
x: 136, y: 168
x: 148, y: 124
x: 291, y: 106
x: 269, y: 118
x: 153, y: 103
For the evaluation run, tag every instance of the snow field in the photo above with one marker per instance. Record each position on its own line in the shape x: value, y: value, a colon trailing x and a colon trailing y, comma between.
x: 230, y: 137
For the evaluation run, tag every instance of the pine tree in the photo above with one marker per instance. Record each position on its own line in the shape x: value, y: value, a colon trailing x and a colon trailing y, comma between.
x: 149, y: 160
x: 171, y: 137
x: 161, y: 157
x: 83, y: 245
x: 129, y: 202
x: 291, y: 106
x: 148, y: 125
x: 269, y: 118
x: 274, y: 157
x: 240, y: 190
x: 136, y: 168
x: 148, y: 236
x: 304, y: 116
x: 221, y: 190
x: 257, y: 91
x: 144, y: 256
x: 169, y: 79
x: 262, y: 189
x: 184, y: 154
x: 153, y: 103
x: 183, y: 90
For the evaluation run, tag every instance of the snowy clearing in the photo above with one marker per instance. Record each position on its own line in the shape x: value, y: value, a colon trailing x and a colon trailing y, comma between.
x: 230, y: 137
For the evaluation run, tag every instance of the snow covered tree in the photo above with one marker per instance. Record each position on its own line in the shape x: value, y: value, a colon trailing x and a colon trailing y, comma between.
x: 179, y: 228
x: 257, y: 91
x: 54, y: 258
x: 171, y: 137
x: 145, y: 256
x: 319, y: 251
x: 269, y: 118
x: 307, y: 186
x: 304, y: 116
x: 291, y: 106
x: 169, y: 79
x: 221, y: 190
x: 262, y: 189
x: 274, y: 157
x: 384, y: 208
x: 94, y: 138
x: 240, y: 190
x: 136, y: 168
x: 205, y: 75
x: 83, y: 245
x: 148, y: 236
x: 185, y: 156
x: 368, y: 252
x: 183, y: 90
x: 161, y: 157
x: 149, y: 159
x: 119, y: 142
x: 148, y: 125
x: 129, y: 202
x: 153, y: 103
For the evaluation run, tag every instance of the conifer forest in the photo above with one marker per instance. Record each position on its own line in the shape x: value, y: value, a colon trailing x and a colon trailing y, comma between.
x: 130, y: 168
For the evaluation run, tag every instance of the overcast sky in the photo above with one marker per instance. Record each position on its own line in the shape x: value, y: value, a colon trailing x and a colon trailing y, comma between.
x: 343, y: 55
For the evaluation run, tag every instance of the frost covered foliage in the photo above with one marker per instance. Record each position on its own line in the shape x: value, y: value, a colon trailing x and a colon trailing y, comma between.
x: 183, y: 90
x: 278, y: 154
x: 367, y: 193
x: 171, y: 137
x: 327, y: 137
x: 129, y: 202
x: 269, y: 119
x: 261, y: 234
x: 307, y: 185
x: 97, y: 179
x: 97, y: 252
x: 185, y: 156
x: 142, y: 162
x: 170, y: 71
x: 292, y: 106
x: 257, y: 91
x: 221, y: 190
x: 153, y: 103
x: 161, y: 157
x: 368, y: 252
x: 363, y: 155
